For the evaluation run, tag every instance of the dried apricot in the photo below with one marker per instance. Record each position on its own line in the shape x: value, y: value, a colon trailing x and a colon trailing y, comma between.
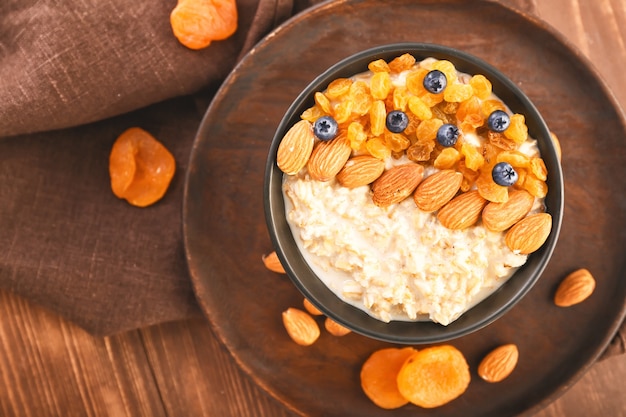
x: 140, y: 167
x: 379, y: 376
x: 434, y: 376
x: 196, y: 23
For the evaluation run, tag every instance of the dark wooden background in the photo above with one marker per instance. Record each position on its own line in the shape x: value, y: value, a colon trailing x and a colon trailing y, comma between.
x: 50, y: 367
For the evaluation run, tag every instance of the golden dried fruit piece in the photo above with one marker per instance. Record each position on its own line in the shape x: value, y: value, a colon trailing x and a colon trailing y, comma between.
x: 378, y: 148
x: 328, y: 158
x: 396, y: 184
x: 457, y: 92
x: 379, y: 65
x: 379, y: 375
x: 140, y: 167
x: 517, y: 130
x: 272, y: 263
x: 311, y: 309
x: 575, y: 288
x: 300, y: 326
x: 462, y: 211
x: 434, y: 376
x: 473, y: 158
x: 295, y: 148
x: 499, y: 363
x: 401, y: 63
x: 360, y: 170
x: 498, y: 217
x: 491, y: 191
x: 335, y: 328
x: 378, y: 115
x: 529, y: 234
x: 196, y: 23
x: 380, y: 85
x: 338, y: 88
x: 447, y: 159
x: 437, y: 189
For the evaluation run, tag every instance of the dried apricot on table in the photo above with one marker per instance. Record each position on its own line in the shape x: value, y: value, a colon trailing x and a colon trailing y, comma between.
x: 379, y: 374
x: 196, y: 23
x: 434, y: 376
x: 140, y: 167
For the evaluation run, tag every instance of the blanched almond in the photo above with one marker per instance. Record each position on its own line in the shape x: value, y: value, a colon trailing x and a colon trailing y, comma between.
x: 462, y: 211
x: 437, y: 189
x: 500, y: 216
x: 530, y: 233
x: 295, y: 148
x: 300, y: 326
x: 328, y: 158
x: 360, y: 170
x: 575, y: 288
x: 499, y: 363
x: 396, y: 184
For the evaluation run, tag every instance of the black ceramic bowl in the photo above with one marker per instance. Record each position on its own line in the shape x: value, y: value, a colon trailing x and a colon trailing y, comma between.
x: 419, y: 332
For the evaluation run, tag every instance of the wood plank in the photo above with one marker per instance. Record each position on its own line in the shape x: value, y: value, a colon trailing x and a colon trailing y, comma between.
x: 198, y: 377
x: 49, y: 367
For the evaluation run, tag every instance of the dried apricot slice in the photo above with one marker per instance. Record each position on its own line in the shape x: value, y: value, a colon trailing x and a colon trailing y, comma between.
x: 379, y: 375
x: 434, y: 376
x: 140, y: 167
x: 196, y: 23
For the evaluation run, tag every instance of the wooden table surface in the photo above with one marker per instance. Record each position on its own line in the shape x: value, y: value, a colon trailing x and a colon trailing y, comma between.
x: 50, y: 367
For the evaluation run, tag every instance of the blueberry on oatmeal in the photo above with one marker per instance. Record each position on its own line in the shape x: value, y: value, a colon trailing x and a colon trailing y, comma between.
x: 325, y: 128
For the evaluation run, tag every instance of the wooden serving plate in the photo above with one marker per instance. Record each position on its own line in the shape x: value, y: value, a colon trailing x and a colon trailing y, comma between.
x: 225, y: 232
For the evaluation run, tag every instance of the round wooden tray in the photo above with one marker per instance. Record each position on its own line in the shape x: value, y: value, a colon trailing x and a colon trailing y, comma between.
x: 225, y: 232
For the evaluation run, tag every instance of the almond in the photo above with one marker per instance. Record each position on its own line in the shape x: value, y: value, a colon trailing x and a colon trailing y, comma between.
x: 328, y: 158
x: 295, y: 148
x: 360, y: 170
x: 437, y: 190
x: 500, y: 216
x: 308, y: 306
x: 396, y: 184
x: 272, y: 263
x: 499, y: 363
x: 528, y: 234
x: 575, y: 288
x: 462, y: 211
x: 335, y: 328
x: 300, y: 326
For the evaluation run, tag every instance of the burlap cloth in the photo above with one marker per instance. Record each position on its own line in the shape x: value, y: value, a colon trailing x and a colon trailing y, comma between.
x: 74, y: 74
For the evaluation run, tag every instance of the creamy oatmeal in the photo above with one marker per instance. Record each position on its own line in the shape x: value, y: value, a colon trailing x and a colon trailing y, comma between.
x: 397, y: 262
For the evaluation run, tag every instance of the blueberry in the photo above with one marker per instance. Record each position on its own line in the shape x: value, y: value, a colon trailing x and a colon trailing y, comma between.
x: 397, y: 121
x: 325, y: 128
x: 435, y: 81
x: 447, y: 135
x: 504, y: 174
x: 498, y: 121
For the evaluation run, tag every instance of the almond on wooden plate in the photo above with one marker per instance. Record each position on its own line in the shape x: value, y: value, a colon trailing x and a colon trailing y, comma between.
x: 272, y: 263
x: 575, y: 288
x: 500, y: 216
x: 437, y: 189
x: 295, y: 148
x: 300, y: 326
x: 328, y: 157
x: 499, y: 363
x: 462, y: 211
x: 360, y: 170
x: 335, y: 328
x: 396, y: 184
x: 529, y: 234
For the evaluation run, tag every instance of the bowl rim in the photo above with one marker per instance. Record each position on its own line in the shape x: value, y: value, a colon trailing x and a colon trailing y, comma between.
x: 422, y: 332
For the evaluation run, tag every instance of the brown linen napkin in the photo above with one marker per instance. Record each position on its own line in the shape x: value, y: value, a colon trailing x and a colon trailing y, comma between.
x: 67, y: 243
x: 73, y: 74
